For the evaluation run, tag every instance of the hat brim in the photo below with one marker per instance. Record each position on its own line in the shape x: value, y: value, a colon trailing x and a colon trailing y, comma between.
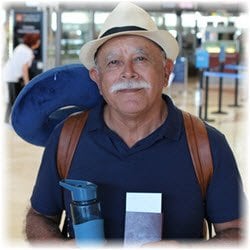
x: 49, y: 98
x: 162, y: 37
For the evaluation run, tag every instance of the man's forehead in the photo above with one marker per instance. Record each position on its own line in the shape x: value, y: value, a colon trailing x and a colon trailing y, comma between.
x: 118, y: 51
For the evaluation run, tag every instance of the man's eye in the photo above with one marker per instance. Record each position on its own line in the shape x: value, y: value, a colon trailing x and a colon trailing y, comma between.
x: 113, y: 62
x: 140, y: 58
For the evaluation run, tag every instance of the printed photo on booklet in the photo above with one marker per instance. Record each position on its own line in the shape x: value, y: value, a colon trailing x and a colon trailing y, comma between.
x: 143, y: 219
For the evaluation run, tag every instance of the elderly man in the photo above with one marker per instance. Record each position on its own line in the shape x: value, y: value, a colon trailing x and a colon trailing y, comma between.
x: 134, y: 141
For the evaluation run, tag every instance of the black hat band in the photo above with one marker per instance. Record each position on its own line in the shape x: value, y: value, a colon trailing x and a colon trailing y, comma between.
x: 121, y: 29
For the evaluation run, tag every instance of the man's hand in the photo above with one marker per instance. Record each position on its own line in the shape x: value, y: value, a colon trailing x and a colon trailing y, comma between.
x: 42, y: 229
x: 229, y: 231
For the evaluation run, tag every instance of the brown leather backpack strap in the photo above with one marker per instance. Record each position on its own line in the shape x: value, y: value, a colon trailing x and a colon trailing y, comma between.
x: 68, y: 141
x: 199, y: 148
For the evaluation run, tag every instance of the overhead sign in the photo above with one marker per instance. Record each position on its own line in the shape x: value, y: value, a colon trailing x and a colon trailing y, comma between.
x: 26, y: 22
x: 201, y: 59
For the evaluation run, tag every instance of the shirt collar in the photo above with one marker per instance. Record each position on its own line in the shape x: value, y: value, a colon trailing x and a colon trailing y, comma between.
x: 95, y: 119
x: 170, y: 129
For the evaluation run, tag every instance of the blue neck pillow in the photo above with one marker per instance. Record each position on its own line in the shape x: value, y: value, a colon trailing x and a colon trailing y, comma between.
x: 49, y: 98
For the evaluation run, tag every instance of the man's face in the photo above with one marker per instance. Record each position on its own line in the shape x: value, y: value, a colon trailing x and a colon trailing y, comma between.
x: 131, y: 73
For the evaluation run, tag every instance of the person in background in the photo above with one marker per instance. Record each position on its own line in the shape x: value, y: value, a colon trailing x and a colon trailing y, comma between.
x: 16, y: 69
x: 134, y: 141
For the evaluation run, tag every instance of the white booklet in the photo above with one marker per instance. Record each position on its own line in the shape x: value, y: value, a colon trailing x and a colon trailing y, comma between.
x: 143, y: 221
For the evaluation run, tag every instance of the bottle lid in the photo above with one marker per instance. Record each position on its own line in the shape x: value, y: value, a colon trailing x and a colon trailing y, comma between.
x: 80, y: 190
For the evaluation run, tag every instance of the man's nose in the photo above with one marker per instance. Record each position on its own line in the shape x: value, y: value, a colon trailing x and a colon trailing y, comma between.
x: 129, y: 71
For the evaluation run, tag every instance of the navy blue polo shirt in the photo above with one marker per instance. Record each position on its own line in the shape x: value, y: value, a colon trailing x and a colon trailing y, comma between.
x: 158, y: 163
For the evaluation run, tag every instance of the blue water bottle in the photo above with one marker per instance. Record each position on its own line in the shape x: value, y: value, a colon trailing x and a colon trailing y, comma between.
x: 85, y: 212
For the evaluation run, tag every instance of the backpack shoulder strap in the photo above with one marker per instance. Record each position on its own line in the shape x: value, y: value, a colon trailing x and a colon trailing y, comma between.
x: 68, y: 141
x: 199, y: 148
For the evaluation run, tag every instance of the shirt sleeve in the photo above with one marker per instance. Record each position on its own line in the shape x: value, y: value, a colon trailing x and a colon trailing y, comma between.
x: 225, y: 195
x: 47, y: 196
x: 24, y: 55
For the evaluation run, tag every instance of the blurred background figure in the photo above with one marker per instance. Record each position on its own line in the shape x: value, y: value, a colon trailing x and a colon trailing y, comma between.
x: 16, y: 69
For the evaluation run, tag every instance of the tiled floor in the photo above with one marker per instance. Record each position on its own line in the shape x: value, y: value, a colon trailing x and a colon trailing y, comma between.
x: 21, y: 159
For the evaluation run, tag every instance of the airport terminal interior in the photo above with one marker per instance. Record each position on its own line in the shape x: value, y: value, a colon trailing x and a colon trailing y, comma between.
x: 215, y: 32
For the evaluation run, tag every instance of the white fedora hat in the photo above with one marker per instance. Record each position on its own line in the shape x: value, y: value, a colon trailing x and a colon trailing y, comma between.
x: 129, y: 19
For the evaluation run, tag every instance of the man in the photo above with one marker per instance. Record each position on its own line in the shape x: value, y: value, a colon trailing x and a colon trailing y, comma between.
x: 134, y: 141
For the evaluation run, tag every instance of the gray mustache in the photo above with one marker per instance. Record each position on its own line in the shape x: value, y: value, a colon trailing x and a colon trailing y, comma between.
x: 129, y: 85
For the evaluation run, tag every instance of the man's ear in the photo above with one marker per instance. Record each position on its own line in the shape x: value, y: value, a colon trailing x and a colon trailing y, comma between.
x: 95, y: 76
x: 169, y: 66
